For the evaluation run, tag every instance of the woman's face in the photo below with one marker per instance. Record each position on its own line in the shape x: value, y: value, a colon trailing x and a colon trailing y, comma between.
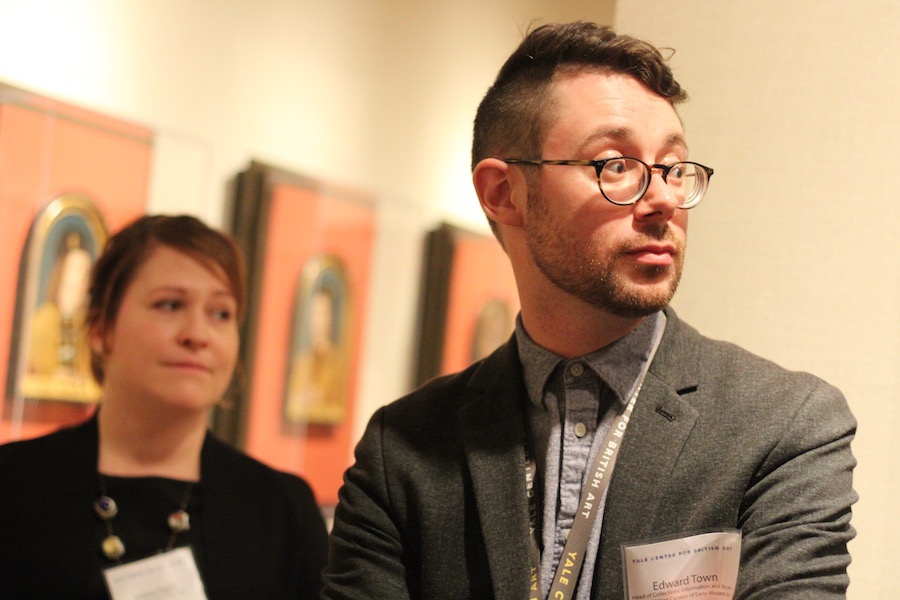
x: 175, y: 337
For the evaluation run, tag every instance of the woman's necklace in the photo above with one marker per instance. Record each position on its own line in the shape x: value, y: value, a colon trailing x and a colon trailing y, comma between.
x: 106, y: 508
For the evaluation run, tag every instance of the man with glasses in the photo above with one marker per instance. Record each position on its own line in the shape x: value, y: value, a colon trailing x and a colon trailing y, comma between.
x: 606, y: 423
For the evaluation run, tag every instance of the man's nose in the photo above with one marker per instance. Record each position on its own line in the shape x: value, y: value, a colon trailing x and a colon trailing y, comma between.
x: 659, y: 201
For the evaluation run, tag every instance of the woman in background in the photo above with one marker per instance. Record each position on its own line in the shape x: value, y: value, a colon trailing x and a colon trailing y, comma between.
x: 142, y: 499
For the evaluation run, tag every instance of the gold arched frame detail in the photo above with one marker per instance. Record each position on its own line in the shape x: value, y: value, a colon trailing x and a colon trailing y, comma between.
x: 317, y: 383
x: 50, y: 352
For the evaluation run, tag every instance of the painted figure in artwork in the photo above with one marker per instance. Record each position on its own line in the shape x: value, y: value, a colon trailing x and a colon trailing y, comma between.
x: 57, y: 352
x: 319, y: 366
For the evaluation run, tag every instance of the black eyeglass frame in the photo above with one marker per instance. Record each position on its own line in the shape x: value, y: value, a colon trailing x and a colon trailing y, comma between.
x: 599, y: 164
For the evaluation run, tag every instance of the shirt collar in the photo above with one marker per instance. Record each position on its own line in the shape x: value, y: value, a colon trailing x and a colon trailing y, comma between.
x: 618, y: 364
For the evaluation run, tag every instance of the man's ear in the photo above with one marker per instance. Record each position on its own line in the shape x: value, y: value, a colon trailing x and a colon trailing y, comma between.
x: 497, y: 192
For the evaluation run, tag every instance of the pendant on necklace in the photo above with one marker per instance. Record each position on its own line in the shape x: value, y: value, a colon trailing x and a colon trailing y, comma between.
x: 106, y: 508
x: 113, y: 548
x: 180, y: 521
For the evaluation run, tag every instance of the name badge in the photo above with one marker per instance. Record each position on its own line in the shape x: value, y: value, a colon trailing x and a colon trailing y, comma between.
x: 171, y: 575
x: 697, y: 567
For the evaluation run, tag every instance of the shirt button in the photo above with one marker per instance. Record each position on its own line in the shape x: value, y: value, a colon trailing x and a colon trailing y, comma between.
x: 580, y: 430
x: 576, y: 370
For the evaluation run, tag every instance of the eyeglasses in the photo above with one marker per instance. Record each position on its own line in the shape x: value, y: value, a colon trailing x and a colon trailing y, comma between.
x: 624, y: 180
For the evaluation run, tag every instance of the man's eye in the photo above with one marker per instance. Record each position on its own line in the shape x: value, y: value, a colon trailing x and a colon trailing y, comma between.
x: 617, y: 167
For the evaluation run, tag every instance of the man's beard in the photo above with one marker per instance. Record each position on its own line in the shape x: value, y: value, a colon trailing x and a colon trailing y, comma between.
x: 578, y: 267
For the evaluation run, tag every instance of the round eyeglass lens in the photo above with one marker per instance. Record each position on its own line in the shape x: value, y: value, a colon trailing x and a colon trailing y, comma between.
x: 624, y: 180
x: 686, y: 182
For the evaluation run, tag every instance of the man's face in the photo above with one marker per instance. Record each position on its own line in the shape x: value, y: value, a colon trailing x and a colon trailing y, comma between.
x: 625, y: 260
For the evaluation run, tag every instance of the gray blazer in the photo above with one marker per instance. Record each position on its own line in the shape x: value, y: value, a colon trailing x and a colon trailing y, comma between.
x: 434, y: 506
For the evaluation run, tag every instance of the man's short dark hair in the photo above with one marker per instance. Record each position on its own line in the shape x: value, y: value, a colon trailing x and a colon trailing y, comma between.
x: 512, y: 117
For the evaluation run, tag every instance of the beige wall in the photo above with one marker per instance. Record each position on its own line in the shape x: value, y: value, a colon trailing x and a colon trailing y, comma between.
x: 794, y: 253
x: 377, y: 94
x: 790, y: 256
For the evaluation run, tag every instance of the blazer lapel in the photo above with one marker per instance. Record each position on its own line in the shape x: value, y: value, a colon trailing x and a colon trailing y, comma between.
x: 657, y: 433
x: 493, y: 432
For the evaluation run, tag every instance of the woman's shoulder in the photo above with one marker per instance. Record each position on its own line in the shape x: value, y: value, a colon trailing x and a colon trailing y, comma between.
x: 59, y: 445
x: 52, y: 467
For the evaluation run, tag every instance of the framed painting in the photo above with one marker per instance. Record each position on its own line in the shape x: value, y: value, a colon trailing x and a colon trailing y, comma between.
x: 66, y: 175
x: 469, y: 302
x: 308, y: 245
x: 50, y: 359
x: 318, y: 368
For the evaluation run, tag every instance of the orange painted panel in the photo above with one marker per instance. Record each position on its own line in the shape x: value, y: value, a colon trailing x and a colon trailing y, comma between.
x: 48, y: 148
x: 480, y: 274
x: 305, y: 223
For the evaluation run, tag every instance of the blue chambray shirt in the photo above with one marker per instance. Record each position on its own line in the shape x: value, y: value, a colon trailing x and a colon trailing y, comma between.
x: 573, y: 402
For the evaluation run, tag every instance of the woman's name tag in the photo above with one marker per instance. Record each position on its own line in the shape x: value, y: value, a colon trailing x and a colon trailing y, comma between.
x: 171, y: 575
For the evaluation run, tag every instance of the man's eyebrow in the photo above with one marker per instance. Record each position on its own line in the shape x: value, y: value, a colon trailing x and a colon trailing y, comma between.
x: 676, y: 139
x: 625, y: 134
x: 607, y: 133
